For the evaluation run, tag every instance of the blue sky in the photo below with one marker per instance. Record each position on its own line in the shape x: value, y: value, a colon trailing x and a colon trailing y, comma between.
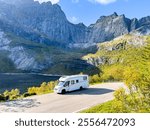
x: 88, y: 11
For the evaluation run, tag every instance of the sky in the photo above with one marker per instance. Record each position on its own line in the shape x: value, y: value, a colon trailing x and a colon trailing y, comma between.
x: 88, y: 11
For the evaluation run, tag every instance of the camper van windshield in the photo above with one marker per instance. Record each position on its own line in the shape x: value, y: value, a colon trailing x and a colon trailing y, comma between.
x: 61, y: 83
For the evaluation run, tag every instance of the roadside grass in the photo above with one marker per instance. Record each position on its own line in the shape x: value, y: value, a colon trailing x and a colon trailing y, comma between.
x: 101, y: 108
x: 96, y: 83
x: 113, y: 106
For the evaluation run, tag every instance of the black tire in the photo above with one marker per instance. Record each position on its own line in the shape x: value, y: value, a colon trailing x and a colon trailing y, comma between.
x: 63, y: 91
x: 81, y: 88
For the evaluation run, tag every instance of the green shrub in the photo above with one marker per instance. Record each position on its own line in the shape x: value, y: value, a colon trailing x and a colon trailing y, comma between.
x: 112, y: 72
x: 12, y: 95
x: 28, y: 94
x: 42, y: 89
x: 2, y: 97
x: 94, y: 79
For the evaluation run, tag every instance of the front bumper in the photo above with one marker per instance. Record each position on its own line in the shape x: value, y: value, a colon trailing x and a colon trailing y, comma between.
x: 56, y: 90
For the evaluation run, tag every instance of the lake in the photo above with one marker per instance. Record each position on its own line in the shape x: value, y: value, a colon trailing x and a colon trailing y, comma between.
x: 23, y: 81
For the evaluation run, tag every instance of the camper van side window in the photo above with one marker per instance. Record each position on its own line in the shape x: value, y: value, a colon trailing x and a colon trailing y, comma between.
x: 72, y: 82
x: 85, y: 78
x: 77, y: 81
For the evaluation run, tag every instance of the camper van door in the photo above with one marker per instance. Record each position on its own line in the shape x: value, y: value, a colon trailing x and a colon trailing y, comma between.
x: 67, y: 86
x: 73, y: 85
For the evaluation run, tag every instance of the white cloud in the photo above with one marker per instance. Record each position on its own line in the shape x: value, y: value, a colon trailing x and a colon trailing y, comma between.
x: 105, y: 2
x: 53, y: 1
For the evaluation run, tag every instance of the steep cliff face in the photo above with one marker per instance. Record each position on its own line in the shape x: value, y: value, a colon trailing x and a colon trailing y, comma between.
x: 24, y: 57
x: 144, y: 21
x: 134, y: 24
x: 107, y: 28
x: 142, y: 26
x: 44, y: 19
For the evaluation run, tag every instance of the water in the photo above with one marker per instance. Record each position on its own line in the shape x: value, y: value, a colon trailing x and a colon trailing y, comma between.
x: 23, y: 81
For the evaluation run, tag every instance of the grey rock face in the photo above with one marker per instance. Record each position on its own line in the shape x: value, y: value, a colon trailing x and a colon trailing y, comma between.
x: 44, y: 19
x: 107, y: 28
x: 134, y: 24
x: 144, y: 21
x: 144, y: 30
x: 97, y: 61
x: 25, y: 60
x: 22, y: 57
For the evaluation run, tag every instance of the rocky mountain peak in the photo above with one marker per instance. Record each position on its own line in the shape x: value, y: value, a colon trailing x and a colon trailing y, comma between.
x: 110, y: 17
x: 114, y: 15
x: 134, y: 24
x: 144, y: 21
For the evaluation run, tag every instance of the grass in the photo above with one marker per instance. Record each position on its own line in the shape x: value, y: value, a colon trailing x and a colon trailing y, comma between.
x: 112, y: 106
x: 102, y: 108
x: 96, y: 83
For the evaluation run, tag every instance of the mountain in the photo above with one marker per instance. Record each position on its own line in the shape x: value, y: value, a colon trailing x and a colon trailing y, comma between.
x: 45, y: 19
x: 47, y: 23
x: 38, y: 37
x: 117, y: 50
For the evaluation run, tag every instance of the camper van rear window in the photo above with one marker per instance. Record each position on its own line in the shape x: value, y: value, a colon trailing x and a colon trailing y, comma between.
x: 85, y: 78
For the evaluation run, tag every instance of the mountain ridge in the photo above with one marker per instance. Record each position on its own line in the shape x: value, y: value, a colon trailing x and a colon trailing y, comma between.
x: 51, y: 21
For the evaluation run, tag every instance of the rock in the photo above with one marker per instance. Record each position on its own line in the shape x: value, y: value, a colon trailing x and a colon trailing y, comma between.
x: 144, y: 21
x: 108, y: 28
x: 134, y: 24
x: 23, y: 57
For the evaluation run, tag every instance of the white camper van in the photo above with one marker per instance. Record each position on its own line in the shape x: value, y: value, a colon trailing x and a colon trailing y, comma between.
x: 71, y: 83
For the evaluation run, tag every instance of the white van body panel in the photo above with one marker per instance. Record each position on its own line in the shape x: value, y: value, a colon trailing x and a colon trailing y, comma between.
x: 72, y: 83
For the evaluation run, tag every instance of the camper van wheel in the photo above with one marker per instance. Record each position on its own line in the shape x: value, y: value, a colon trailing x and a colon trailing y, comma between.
x: 63, y: 91
x: 81, y: 88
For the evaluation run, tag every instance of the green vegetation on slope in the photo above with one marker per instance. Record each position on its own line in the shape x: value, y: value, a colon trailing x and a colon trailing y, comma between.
x: 130, y: 64
x: 109, y: 107
x: 115, y: 56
